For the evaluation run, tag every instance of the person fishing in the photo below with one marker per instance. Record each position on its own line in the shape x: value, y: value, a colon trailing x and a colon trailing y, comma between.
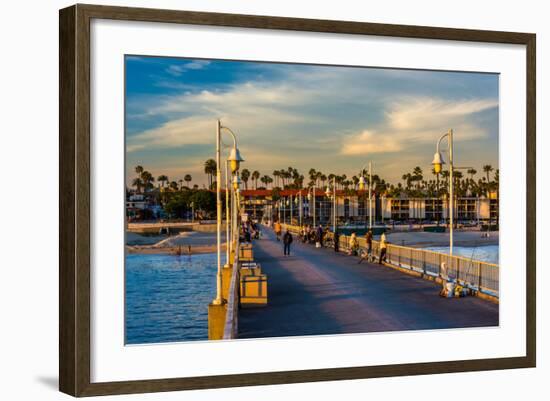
x: 336, y: 241
x: 383, y: 248
x: 368, y: 241
x: 354, y: 244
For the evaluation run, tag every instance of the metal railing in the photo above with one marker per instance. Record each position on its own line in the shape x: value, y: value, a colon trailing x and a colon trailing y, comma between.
x: 471, y: 273
x: 231, y: 326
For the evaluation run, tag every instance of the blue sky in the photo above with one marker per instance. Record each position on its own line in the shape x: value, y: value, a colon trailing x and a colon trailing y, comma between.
x: 331, y: 118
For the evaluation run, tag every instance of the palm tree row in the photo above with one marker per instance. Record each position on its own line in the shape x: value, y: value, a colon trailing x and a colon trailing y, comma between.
x: 144, y: 181
x: 415, y: 183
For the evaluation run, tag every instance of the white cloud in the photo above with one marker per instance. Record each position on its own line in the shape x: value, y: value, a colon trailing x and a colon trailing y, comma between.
x: 416, y: 120
x: 176, y: 133
x: 368, y: 142
x: 310, y: 117
x: 178, y: 69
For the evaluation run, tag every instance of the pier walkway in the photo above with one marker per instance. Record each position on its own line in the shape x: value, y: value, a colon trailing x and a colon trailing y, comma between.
x: 317, y: 291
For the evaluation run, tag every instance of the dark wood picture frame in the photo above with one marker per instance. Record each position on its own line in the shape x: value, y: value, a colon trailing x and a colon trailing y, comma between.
x: 74, y: 202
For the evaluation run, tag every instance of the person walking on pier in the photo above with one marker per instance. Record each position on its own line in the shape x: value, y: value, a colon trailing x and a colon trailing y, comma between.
x: 383, y: 248
x: 319, y: 237
x: 287, y: 240
x: 277, y: 228
x: 336, y: 241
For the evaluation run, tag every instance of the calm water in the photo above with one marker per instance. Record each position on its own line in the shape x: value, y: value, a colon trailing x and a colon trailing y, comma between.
x: 167, y: 297
x: 486, y: 253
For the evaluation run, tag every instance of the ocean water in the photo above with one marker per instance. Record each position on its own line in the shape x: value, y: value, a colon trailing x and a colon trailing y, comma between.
x: 485, y: 253
x: 167, y: 297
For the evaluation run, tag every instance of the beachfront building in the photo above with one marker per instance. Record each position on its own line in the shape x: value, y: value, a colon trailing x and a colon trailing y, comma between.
x: 467, y: 209
x: 353, y: 207
x: 137, y: 201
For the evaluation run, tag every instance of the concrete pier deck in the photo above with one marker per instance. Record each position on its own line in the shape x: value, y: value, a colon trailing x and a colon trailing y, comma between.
x: 317, y: 291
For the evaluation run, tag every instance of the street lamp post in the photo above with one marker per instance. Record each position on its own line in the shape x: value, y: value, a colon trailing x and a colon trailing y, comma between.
x: 362, y: 186
x: 234, y: 160
x: 311, y: 199
x: 328, y: 193
x: 291, y: 210
x: 437, y: 163
x: 236, y: 204
x: 228, y: 208
x: 301, y: 207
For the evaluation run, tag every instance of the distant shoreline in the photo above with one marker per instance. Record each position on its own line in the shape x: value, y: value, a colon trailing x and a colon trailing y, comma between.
x: 172, y: 250
x: 184, y: 243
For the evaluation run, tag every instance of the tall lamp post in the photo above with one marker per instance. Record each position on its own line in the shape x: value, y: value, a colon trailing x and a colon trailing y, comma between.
x: 311, y: 199
x: 298, y: 201
x: 328, y: 193
x: 234, y: 162
x: 228, y: 216
x: 291, y: 209
x: 236, y: 204
x: 438, y: 163
x: 362, y: 186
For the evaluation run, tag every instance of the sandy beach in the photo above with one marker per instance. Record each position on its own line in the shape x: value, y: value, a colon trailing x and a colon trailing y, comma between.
x: 184, y: 243
x: 424, y: 239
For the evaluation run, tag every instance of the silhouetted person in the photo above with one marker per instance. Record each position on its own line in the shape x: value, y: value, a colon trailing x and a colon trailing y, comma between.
x: 336, y: 241
x: 287, y: 240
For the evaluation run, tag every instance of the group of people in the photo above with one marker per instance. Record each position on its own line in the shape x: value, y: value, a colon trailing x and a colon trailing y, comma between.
x: 249, y: 231
x: 317, y: 236
x: 354, y: 248
x: 313, y: 235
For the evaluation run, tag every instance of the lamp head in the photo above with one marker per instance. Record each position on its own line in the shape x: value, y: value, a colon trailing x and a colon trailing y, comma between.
x: 235, y: 159
x: 361, y: 183
x: 438, y: 162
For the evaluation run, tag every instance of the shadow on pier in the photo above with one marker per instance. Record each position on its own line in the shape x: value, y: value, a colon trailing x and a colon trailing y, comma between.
x: 317, y: 291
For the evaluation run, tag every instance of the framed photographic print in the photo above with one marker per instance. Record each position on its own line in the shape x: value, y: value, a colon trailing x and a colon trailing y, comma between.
x: 250, y: 200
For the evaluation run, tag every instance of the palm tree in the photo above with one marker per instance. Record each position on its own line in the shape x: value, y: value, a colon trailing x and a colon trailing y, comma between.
x: 147, y: 179
x: 255, y: 176
x: 162, y: 179
x: 417, y: 176
x: 173, y: 186
x: 138, y: 183
x: 181, y: 184
x: 245, y: 175
x: 265, y: 180
x: 188, y: 179
x: 210, y: 169
x: 276, y: 175
x: 323, y: 179
x: 487, y: 169
x: 407, y: 178
x: 313, y: 175
x: 472, y: 172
